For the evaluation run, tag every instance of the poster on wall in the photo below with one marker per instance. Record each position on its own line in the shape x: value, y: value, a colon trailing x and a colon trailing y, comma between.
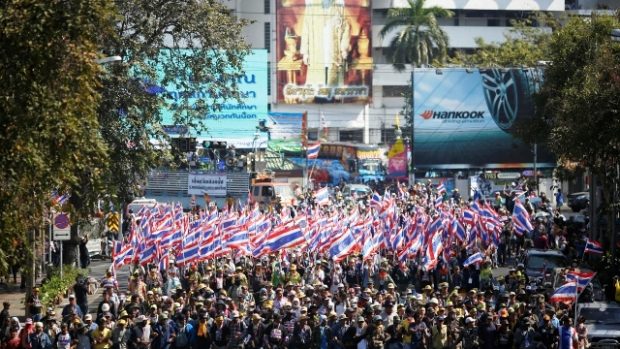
x: 323, y: 51
x: 236, y: 122
x: 466, y: 118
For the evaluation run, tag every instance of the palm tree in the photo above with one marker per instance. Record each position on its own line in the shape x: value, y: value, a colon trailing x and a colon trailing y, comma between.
x: 420, y: 39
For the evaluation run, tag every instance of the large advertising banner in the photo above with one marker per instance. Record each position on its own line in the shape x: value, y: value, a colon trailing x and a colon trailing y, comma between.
x: 323, y: 51
x: 465, y: 118
x: 236, y: 122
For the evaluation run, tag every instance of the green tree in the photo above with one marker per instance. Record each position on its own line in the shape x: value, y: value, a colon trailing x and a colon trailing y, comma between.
x: 577, y: 107
x: 92, y: 131
x: 526, y: 44
x: 48, y: 110
x: 191, y: 45
x: 420, y: 40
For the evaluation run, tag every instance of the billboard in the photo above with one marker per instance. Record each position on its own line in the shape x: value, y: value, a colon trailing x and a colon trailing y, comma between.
x: 211, y: 184
x: 236, y: 122
x: 465, y: 118
x: 323, y: 51
x: 285, y: 126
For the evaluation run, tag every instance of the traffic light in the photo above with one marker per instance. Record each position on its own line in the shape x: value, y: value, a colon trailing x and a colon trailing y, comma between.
x: 184, y: 145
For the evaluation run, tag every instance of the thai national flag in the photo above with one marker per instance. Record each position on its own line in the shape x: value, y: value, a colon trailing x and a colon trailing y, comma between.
x: 441, y: 189
x: 343, y: 247
x: 376, y: 201
x: 285, y: 236
x: 581, y: 277
x: 321, y: 196
x: 473, y: 259
x: 458, y: 230
x: 521, y: 219
x: 566, y: 293
x: 593, y: 246
x: 313, y: 151
x: 469, y: 217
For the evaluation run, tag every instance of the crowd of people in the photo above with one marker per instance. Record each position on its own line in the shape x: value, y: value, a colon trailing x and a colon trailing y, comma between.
x: 298, y: 299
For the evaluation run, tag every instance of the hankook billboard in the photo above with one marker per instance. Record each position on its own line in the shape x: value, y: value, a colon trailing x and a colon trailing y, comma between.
x: 464, y: 118
x: 323, y: 51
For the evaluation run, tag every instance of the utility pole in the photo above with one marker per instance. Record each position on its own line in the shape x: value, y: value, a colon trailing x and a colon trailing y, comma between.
x: 536, y: 167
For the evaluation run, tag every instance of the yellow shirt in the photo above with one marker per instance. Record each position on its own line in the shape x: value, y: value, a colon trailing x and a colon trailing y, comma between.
x: 617, y: 291
x: 101, y: 337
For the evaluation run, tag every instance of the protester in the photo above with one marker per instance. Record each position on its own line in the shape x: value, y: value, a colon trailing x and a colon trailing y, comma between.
x: 413, y: 269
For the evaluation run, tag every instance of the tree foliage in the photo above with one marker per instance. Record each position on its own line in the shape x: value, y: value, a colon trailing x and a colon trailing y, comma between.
x: 92, y: 131
x: 196, y: 46
x: 48, y: 107
x: 577, y: 107
x: 526, y: 44
x: 420, y: 40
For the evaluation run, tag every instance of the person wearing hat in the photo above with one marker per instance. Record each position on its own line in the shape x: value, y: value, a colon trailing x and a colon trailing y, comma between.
x: 255, y: 332
x: 81, y: 337
x: 120, y: 335
x: 63, y: 338
x: 200, y: 337
x: 439, y: 333
x: 302, y: 333
x: 275, y: 333
x: 163, y: 330
x: 548, y: 332
x: 34, y: 305
x: 376, y: 333
x: 237, y: 329
x: 470, y: 339
x: 71, y: 308
x: 427, y: 293
x: 39, y: 339
x: 355, y: 334
x: 141, y: 333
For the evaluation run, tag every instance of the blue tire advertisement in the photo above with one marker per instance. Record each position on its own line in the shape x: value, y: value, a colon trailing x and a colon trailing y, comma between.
x: 466, y: 118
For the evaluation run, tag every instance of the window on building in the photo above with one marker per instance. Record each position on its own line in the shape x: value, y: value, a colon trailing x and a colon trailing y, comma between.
x: 493, y: 22
x: 354, y: 136
x: 394, y: 91
x: 268, y: 78
x: 267, y: 6
x: 268, y: 36
x: 313, y: 135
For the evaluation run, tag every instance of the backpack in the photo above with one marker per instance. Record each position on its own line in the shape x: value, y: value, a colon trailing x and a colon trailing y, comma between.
x: 181, y: 339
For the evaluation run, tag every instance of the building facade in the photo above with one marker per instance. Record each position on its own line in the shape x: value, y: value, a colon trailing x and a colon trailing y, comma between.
x: 371, y: 120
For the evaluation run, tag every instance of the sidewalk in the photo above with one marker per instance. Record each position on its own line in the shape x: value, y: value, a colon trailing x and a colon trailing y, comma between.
x: 12, y: 293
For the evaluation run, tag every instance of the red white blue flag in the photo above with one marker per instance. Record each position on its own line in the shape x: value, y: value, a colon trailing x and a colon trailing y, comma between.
x: 593, y: 246
x: 313, y: 151
x: 566, y: 293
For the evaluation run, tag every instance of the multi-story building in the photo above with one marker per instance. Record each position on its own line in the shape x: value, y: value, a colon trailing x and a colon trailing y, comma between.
x: 371, y: 120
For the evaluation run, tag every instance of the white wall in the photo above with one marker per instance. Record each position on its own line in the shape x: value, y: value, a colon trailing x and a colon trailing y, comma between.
x: 459, y: 36
x: 512, y: 5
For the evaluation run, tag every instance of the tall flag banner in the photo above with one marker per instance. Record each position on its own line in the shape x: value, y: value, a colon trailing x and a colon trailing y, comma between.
x: 473, y: 259
x: 313, y: 151
x: 593, y: 246
x: 321, y: 196
x: 521, y: 219
x: 581, y: 277
x: 566, y: 293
